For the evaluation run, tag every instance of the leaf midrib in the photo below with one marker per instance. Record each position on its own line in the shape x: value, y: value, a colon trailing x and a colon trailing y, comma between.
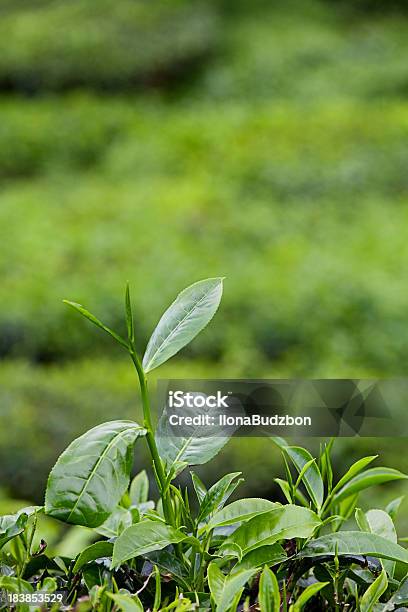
x: 161, y: 347
x: 97, y: 463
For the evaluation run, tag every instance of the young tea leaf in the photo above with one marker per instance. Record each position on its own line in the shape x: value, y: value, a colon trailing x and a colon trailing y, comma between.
x: 90, y: 477
x: 282, y: 523
x: 95, y: 551
x: 142, y: 538
x: 199, y: 447
x: 224, y: 588
x: 183, y: 320
x: 373, y: 593
x: 217, y: 495
x: 88, y: 315
x: 310, y: 473
x: 355, y: 543
x: 126, y: 603
x: 307, y: 594
x: 367, y: 479
x: 139, y: 488
x: 241, y: 510
x: 269, y: 596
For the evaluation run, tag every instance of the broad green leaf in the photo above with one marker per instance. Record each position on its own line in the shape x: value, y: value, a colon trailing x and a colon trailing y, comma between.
x: 355, y: 469
x: 95, y: 551
x: 183, y: 320
x: 142, y: 538
x: 393, y: 507
x: 118, y: 521
x: 369, y: 478
x: 88, y: 315
x: 381, y: 524
x: 307, y: 594
x: 374, y: 592
x: 284, y: 522
x: 311, y: 478
x: 256, y: 558
x: 241, y: 510
x: 90, y: 477
x: 217, y: 495
x: 200, y: 445
x: 139, y: 488
x: 224, y: 588
x: 126, y: 603
x: 269, y: 596
x: 355, y: 543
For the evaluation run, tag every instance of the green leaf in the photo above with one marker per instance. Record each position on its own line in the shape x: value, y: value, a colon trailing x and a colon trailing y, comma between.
x: 11, y: 584
x: 284, y: 522
x: 183, y: 320
x: 129, y: 317
x: 95, y: 551
x: 269, y: 596
x: 369, y: 478
x: 15, y: 585
x: 157, y: 594
x: 224, y: 588
x: 373, y: 593
x: 381, y: 524
x: 217, y: 495
x: 90, y: 477
x: 200, y: 446
x: 142, y: 538
x: 355, y: 543
x: 285, y: 488
x: 139, y: 488
x: 241, y: 510
x: 88, y: 315
x: 311, y: 478
x: 307, y: 594
x: 126, y: 603
x: 118, y: 521
x: 199, y: 487
x: 256, y: 558
x: 361, y: 520
x: 393, y: 507
x: 355, y: 469
x: 12, y: 525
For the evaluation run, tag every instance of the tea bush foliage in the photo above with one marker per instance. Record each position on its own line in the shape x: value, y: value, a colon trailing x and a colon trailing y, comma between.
x: 251, y: 553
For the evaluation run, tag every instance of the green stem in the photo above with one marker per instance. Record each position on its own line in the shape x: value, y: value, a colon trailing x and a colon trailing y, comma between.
x: 161, y: 476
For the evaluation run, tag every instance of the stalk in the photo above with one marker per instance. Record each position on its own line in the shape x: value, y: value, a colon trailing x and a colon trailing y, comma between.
x: 147, y: 423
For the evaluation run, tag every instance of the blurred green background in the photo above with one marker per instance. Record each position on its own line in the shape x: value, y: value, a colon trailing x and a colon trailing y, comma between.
x: 163, y: 142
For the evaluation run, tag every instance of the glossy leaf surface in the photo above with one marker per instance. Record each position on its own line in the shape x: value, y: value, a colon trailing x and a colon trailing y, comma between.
x: 142, y: 538
x: 241, y: 510
x: 355, y: 543
x: 284, y: 522
x: 183, y: 320
x: 269, y: 596
x: 90, y: 477
x: 369, y: 478
x: 224, y: 588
